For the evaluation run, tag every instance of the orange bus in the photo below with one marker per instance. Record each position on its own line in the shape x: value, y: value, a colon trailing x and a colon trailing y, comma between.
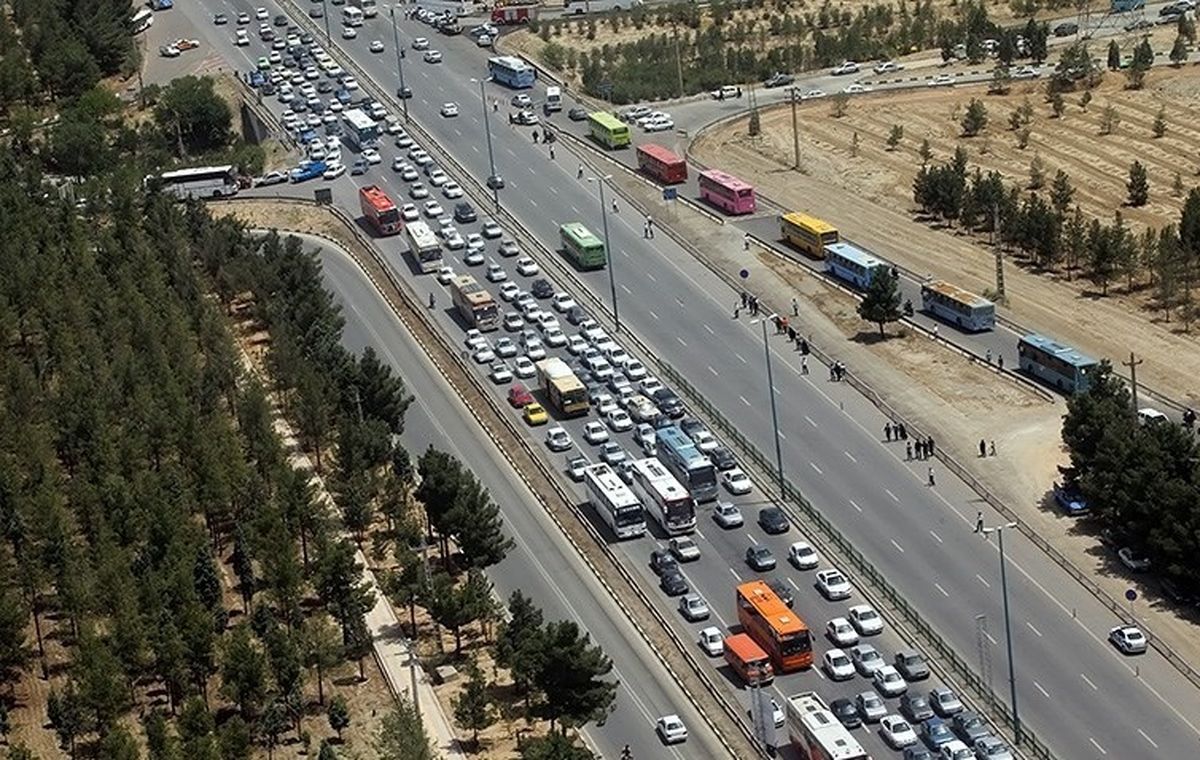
x: 774, y: 627
x: 661, y: 164
x: 748, y: 659
x: 380, y: 211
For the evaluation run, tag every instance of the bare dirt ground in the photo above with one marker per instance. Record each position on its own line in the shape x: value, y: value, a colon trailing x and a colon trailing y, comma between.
x: 869, y: 198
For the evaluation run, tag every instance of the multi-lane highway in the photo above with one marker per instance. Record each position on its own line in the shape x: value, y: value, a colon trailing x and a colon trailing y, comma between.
x: 1081, y: 698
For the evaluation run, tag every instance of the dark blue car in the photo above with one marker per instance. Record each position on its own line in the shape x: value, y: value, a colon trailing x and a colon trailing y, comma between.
x: 1070, y: 499
x: 343, y: 95
x: 935, y: 732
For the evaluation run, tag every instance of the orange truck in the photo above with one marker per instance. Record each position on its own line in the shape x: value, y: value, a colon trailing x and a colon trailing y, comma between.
x: 748, y: 659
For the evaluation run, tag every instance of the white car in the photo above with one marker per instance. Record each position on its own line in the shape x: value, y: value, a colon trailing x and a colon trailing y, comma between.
x: 509, y: 291
x: 941, y: 80
x: 505, y: 348
x: 513, y: 322
x: 619, y: 420
x: 349, y: 32
x: 803, y: 556
x: 521, y: 101
x: 418, y: 191
x: 634, y: 369
x: 433, y: 56
x: 1128, y: 638
x: 420, y: 43
x: 501, y: 373
x: 867, y: 659
x: 704, y: 440
x: 376, y: 46
x: 334, y: 170
x: 527, y: 267
x: 523, y: 367
x: 409, y: 212
x: 840, y: 632
x: 454, y: 241
x: 712, y: 642
x: 474, y: 259
x: 445, y: 275
x: 727, y: 515
x: 838, y: 665
x: 433, y: 209
x: 484, y: 354
x: 350, y: 83
x: 897, y: 732
x: 605, y: 404
x: 554, y: 337
x: 855, y: 88
x: 496, y: 274
x: 813, y: 95
x: 845, y: 67
x: 659, y: 125
x: 595, y: 433
x: 453, y: 191
x: 889, y: 682
x: 671, y: 730
x: 558, y: 439
x: 474, y: 242
x: 693, y: 607
x: 736, y: 481
x: 833, y: 585
x: 888, y: 67
x: 866, y: 620
x: 576, y: 345
x: 437, y: 178
x: 563, y: 302
x: 261, y: 14
x: 371, y: 156
x: 491, y: 230
x: 449, y: 110
x: 956, y: 750
x: 870, y: 707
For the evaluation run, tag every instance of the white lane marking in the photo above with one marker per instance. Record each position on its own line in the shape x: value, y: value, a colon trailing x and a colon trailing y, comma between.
x: 789, y: 580
x: 744, y: 401
x: 649, y: 276
x: 814, y: 466
x: 899, y: 548
x: 531, y: 200
x: 782, y: 437
x: 981, y: 580
x: 710, y: 330
x: 739, y: 356
x: 853, y: 504
x: 680, y: 341
x: 652, y: 314
x: 710, y: 369
x: 850, y: 456
x: 889, y: 493
x: 1096, y: 744
x: 810, y: 420
x: 1088, y: 681
x: 990, y: 637
x: 1147, y: 738
x: 627, y: 290
x: 938, y: 586
x: 751, y: 537
x: 936, y: 537
x: 1035, y: 630
x: 575, y: 210
x: 734, y: 573
x: 1038, y: 686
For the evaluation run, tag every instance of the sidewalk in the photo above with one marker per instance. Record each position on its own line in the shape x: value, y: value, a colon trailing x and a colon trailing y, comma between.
x: 391, y: 646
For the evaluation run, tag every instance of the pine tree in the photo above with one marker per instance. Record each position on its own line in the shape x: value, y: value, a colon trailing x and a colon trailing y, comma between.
x: 519, y: 645
x: 572, y: 678
x: 1109, y: 120
x: 339, y: 715
x: 1138, y: 185
x: 555, y: 746
x: 1177, y: 185
x: 1114, y: 55
x: 320, y: 647
x: 402, y: 736
x: 926, y: 153
x: 1061, y: 192
x: 1179, y: 50
x: 1057, y: 104
x: 243, y: 672
x: 1143, y: 59
x: 273, y: 724
x: 881, y: 302
x: 895, y: 136
x: 472, y: 708
x: 1160, y: 122
x: 1037, y: 173
x: 479, y: 527
x: 975, y: 119
x: 1166, y: 269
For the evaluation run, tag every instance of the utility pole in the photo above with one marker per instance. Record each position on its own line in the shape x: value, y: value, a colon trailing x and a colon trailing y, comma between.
x: 678, y: 65
x: 999, y: 530
x: 1133, y: 365
x: 1000, y: 296
x: 795, y: 95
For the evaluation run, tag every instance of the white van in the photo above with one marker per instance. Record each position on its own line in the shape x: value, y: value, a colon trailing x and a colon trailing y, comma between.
x: 553, y: 99
x: 1147, y: 415
x: 352, y: 16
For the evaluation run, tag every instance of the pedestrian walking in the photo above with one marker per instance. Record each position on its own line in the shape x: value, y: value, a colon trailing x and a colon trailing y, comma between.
x: 931, y: 483
x: 1000, y: 362
x: 745, y: 298
x: 935, y: 332
x: 908, y: 451
x: 804, y: 346
x: 833, y: 373
x: 579, y: 174
x: 887, y: 431
x: 929, y: 443
x: 650, y: 225
x: 614, y: 205
x: 645, y: 231
x: 536, y: 134
x: 785, y: 323
x: 989, y: 356
x: 791, y: 334
x: 778, y: 324
x: 736, y: 311
x: 903, y: 432
x: 803, y: 365
x: 746, y: 242
x: 431, y: 300
x: 992, y: 449
x: 982, y: 448
x: 551, y: 152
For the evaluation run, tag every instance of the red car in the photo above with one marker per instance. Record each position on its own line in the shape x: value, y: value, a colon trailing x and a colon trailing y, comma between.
x: 519, y: 396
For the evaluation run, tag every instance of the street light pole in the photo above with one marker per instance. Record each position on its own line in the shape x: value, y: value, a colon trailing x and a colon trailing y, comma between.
x: 325, y: 15
x: 612, y: 281
x: 487, y: 128
x: 1012, y: 674
x: 774, y: 413
x: 399, y: 63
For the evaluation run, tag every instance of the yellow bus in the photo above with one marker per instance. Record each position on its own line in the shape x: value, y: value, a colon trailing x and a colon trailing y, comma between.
x: 807, y: 233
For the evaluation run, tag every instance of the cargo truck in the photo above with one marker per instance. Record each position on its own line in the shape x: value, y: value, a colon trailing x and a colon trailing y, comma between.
x: 514, y: 14
x: 564, y: 392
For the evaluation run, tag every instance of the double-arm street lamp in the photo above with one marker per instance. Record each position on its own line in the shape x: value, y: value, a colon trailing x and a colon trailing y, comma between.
x: 771, y: 394
x: 403, y: 91
x: 986, y: 531
x: 608, y: 248
x: 493, y: 181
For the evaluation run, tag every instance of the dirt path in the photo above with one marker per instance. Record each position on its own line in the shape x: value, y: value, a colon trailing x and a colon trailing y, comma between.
x: 869, y: 197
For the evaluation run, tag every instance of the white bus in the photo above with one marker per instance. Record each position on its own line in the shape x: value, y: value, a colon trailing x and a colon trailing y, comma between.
x: 352, y: 16
x: 200, y: 182
x: 816, y: 734
x: 667, y: 501
x: 424, y: 246
x: 360, y: 130
x: 553, y: 99
x: 614, y: 501
x: 368, y: 8
x: 576, y: 7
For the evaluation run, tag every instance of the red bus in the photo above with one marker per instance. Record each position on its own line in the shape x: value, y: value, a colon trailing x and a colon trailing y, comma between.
x: 727, y: 192
x: 379, y: 210
x: 661, y: 164
x: 779, y: 631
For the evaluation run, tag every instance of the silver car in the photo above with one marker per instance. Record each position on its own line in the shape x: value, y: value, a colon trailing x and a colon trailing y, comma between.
x: 870, y: 706
x: 693, y: 607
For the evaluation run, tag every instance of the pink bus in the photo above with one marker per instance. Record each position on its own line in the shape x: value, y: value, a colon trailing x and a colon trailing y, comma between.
x: 727, y: 192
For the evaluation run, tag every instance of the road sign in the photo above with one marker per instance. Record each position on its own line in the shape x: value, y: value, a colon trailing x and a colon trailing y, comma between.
x: 670, y: 193
x: 324, y: 196
x: 744, y: 274
x: 1131, y: 595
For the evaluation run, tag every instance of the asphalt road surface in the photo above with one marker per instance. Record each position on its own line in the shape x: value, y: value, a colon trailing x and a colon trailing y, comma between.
x: 919, y: 536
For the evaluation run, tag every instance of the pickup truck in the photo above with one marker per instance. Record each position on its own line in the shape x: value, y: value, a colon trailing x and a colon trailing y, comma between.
x: 726, y: 92
x: 308, y: 170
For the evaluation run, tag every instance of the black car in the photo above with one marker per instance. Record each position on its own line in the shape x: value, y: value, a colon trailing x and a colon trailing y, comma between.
x: 673, y: 583
x: 783, y: 590
x: 969, y: 727
x: 281, y: 20
x: 690, y: 426
x: 846, y: 711
x: 541, y: 288
x: 306, y: 39
x: 316, y: 12
x: 220, y: 19
x: 668, y: 403
x: 772, y: 520
x: 576, y: 315
x: 662, y: 561
x: 760, y: 558
x: 917, y: 753
x: 722, y: 457
x: 495, y: 182
x: 577, y: 114
x: 324, y: 86
x: 404, y: 93
x: 267, y: 35
x: 779, y: 80
x: 911, y: 665
x: 464, y: 213
x: 268, y: 88
x: 1066, y: 29
x: 916, y: 708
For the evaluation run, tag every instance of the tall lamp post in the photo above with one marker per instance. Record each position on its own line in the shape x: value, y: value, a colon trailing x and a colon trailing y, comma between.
x: 399, y: 64
x: 325, y: 15
x: 985, y: 531
x: 771, y: 395
x: 612, y: 281
x: 493, y: 180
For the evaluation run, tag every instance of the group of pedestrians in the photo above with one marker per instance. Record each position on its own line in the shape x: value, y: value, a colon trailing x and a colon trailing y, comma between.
x: 985, y: 450
x: 837, y: 372
x: 922, y: 449
x: 749, y: 303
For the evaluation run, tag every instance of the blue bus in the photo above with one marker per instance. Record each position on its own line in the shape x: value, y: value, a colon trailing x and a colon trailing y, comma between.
x: 1056, y: 364
x: 690, y: 467
x: 511, y: 71
x: 850, y: 263
x: 957, y: 306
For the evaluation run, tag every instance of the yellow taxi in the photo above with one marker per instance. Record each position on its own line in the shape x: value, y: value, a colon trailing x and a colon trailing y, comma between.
x: 535, y: 414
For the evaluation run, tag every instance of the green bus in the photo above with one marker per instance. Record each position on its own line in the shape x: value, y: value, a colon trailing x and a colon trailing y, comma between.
x: 608, y: 130
x: 583, y: 249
